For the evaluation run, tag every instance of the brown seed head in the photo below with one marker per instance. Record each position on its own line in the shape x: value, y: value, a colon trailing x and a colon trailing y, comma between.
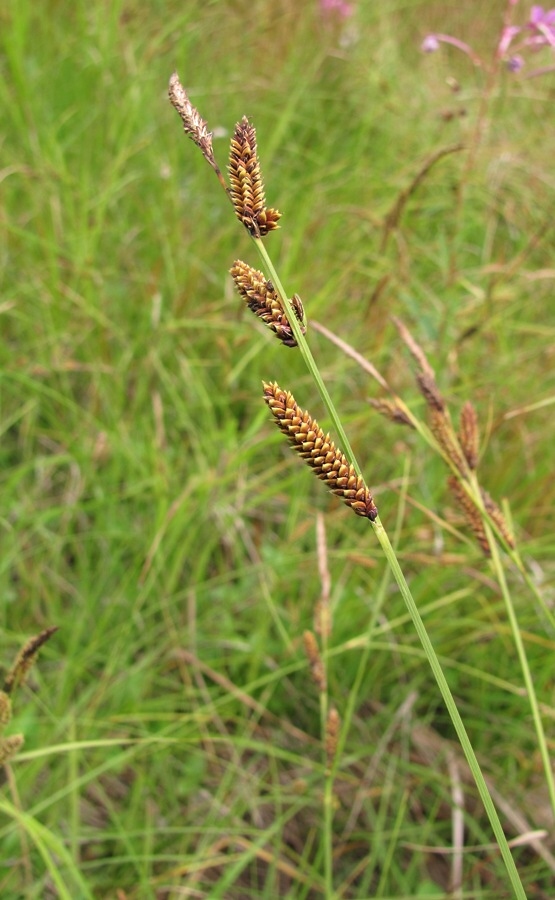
x: 247, y: 188
x: 262, y: 298
x: 474, y: 517
x: 194, y: 125
x: 333, y: 726
x: 391, y: 410
x: 442, y: 429
x: 471, y: 513
x: 316, y: 665
x: 497, y: 516
x: 9, y: 747
x: 319, y: 451
x: 430, y: 391
x: 469, y: 434
x: 5, y: 710
x: 25, y: 659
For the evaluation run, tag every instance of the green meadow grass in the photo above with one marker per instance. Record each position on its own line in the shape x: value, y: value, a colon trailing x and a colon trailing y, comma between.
x: 150, y: 509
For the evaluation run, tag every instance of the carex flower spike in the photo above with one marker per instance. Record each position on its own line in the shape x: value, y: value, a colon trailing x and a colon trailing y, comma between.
x: 319, y: 451
x: 263, y: 300
x: 194, y: 125
x: 247, y: 188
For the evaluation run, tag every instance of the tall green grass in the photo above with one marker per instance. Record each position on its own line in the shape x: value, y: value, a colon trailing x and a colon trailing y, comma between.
x: 149, y: 509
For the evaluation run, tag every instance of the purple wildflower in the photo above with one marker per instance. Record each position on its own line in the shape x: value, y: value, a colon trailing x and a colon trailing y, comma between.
x: 430, y: 44
x: 506, y: 39
x: 542, y: 25
x: 515, y: 63
x: 539, y: 16
x: 329, y: 7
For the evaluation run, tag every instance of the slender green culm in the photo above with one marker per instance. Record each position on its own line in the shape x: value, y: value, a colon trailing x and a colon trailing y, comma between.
x: 338, y: 469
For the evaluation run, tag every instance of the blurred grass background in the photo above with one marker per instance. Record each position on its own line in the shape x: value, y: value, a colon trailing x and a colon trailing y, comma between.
x: 150, y: 509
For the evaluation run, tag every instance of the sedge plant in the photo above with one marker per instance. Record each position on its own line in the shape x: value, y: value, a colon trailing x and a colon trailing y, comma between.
x: 337, y: 466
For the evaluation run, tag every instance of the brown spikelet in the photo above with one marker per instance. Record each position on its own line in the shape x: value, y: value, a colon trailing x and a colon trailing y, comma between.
x: 247, y: 188
x: 262, y: 298
x: 442, y: 429
x: 9, y: 746
x: 430, y: 391
x: 25, y: 659
x: 497, y: 516
x: 316, y: 665
x: 391, y: 410
x: 469, y: 434
x: 333, y: 726
x: 439, y: 418
x: 471, y: 513
x: 5, y: 709
x: 194, y: 125
x: 322, y: 617
x: 319, y: 451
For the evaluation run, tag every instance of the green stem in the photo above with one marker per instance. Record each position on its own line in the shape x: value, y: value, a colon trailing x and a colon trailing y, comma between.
x: 308, y: 357
x: 329, y: 777
x: 391, y: 558
x: 452, y: 709
x: 530, y: 690
x: 328, y: 831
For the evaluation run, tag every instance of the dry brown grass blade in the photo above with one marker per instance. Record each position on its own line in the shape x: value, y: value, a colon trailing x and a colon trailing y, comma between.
x: 352, y: 353
x: 322, y: 612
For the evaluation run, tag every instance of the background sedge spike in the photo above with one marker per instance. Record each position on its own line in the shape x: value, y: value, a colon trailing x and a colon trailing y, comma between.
x: 469, y: 435
x: 319, y: 451
x: 471, y: 513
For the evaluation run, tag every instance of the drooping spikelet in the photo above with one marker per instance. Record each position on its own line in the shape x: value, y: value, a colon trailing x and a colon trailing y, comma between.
x: 319, y: 451
x: 461, y: 449
x: 194, y: 125
x: 247, y: 188
x: 391, y: 410
x: 262, y: 298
